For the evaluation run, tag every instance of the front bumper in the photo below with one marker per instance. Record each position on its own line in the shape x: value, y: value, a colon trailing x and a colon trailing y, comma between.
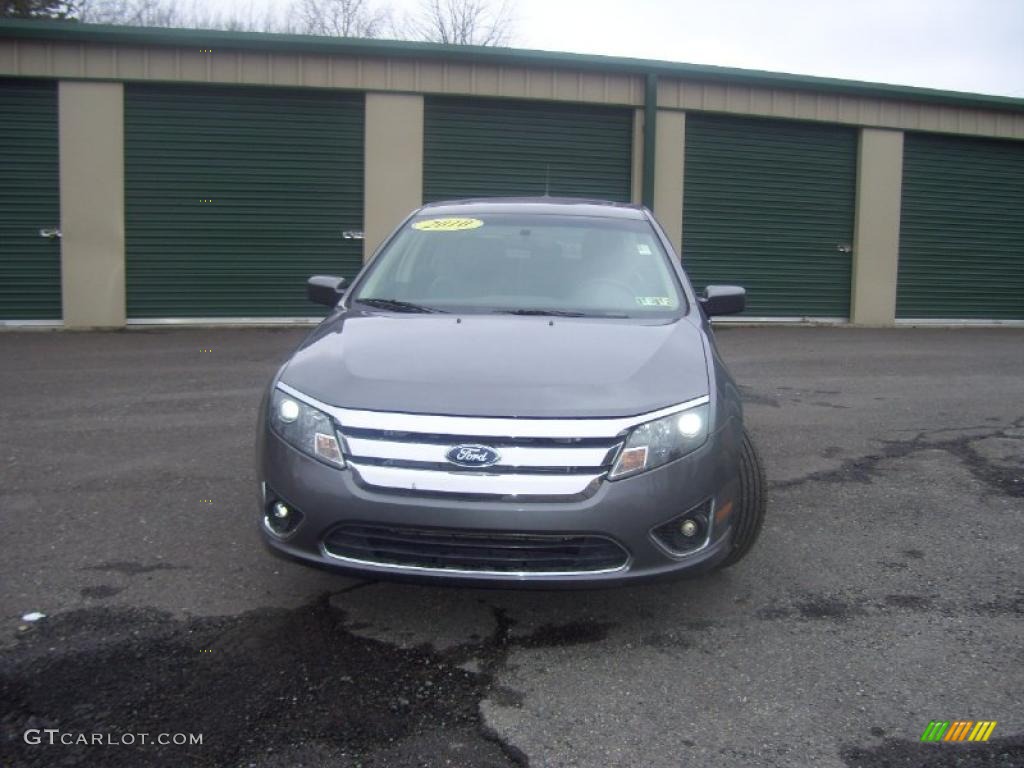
x: 624, y: 511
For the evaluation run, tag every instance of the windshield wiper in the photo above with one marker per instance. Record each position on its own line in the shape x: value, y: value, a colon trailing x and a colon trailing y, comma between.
x: 551, y: 312
x: 398, y: 305
x: 558, y: 313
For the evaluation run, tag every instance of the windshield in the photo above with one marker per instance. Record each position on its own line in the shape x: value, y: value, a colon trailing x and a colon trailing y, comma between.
x: 529, y: 264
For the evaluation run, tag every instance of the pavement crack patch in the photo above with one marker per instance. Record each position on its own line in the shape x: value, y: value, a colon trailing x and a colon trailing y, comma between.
x: 272, y: 687
x: 901, y: 753
x: 131, y: 568
x: 1003, y: 477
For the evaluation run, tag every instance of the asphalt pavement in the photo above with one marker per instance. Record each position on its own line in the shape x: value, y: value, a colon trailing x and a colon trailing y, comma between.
x: 886, y: 590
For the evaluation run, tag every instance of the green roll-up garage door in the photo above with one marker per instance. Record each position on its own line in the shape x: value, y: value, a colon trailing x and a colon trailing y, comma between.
x: 234, y: 196
x: 494, y: 148
x: 769, y: 205
x: 961, y: 229
x: 29, y: 201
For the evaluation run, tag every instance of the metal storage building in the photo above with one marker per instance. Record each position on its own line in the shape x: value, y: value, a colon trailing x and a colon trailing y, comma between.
x: 151, y: 175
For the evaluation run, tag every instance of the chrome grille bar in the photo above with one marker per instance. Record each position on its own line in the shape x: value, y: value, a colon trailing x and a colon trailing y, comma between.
x: 541, y: 458
x: 511, y: 456
x: 481, y: 483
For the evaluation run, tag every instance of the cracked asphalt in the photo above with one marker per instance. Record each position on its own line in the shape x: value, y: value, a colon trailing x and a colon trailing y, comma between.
x: 886, y: 590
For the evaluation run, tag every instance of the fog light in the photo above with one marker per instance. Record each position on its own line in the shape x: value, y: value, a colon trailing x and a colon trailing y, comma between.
x: 686, y: 533
x: 281, y: 519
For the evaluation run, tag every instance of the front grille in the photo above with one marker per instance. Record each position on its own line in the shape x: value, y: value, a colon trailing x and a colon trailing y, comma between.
x: 473, y: 551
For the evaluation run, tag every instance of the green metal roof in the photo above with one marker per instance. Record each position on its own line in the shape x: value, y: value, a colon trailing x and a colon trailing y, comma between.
x: 260, y: 41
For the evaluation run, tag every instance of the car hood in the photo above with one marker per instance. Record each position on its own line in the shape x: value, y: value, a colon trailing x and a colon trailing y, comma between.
x: 500, y: 365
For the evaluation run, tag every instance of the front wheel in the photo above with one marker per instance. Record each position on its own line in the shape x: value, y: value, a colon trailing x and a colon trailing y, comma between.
x: 751, y: 503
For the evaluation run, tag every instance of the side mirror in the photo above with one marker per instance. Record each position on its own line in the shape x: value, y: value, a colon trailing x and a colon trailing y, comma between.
x: 723, y: 300
x: 325, y: 289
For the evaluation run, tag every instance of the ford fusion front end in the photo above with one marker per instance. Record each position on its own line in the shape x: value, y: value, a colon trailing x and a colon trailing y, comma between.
x: 467, y: 414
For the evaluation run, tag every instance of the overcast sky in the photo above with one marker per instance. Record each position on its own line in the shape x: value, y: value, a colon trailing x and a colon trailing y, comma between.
x: 964, y: 45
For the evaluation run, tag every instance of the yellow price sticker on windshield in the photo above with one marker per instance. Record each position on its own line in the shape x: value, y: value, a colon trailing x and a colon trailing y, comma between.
x: 447, y: 225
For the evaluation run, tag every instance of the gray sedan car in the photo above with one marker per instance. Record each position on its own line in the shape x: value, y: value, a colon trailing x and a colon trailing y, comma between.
x: 512, y: 392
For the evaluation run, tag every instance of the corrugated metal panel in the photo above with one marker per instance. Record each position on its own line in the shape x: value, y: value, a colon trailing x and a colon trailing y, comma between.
x: 486, y: 148
x: 961, y: 229
x: 29, y: 201
x: 556, y: 77
x: 234, y: 196
x: 767, y: 204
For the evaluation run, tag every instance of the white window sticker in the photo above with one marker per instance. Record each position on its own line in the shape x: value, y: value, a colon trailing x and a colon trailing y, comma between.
x: 643, y: 249
x: 654, y: 301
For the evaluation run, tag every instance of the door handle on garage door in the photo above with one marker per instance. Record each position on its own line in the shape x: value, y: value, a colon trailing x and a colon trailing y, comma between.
x: 49, y: 232
x: 351, y: 234
x: 844, y: 248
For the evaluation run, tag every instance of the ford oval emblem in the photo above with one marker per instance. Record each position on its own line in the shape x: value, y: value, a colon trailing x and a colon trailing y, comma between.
x: 473, y: 456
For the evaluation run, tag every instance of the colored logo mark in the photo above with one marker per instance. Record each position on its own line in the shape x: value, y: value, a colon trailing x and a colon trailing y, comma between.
x: 958, y: 730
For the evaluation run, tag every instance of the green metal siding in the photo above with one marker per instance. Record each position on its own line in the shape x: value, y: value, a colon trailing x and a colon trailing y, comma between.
x: 493, y: 148
x: 767, y: 204
x: 961, y: 229
x: 29, y: 201
x: 234, y: 196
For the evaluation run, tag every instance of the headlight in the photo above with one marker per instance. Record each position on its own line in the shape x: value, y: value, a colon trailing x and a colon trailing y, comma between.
x: 305, y: 428
x: 658, y: 442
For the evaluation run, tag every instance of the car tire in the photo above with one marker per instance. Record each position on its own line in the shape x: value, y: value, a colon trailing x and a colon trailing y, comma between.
x: 751, y: 507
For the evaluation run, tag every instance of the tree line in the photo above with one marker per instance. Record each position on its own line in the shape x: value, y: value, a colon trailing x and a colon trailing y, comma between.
x: 455, y: 22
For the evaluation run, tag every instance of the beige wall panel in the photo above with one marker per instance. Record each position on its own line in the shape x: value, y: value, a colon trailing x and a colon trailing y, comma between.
x: 394, y: 163
x: 161, y: 64
x: 103, y: 62
x: 540, y: 83
x: 92, y: 203
x: 826, y: 107
x: 66, y: 59
x: 737, y: 98
x: 567, y: 86
x: 784, y: 103
x: 430, y: 76
x: 668, y: 93
x: 33, y: 58
x: 60, y: 59
x: 254, y: 68
x: 374, y: 74
x: 403, y: 75
x: 929, y: 118
x: 131, y: 63
x: 591, y: 87
x: 284, y: 70
x: 193, y: 65
x: 1004, y: 125
x: 344, y: 71
x: 987, y: 124
x: 316, y: 71
x: 714, y: 98
x: 876, y: 239
x: 806, y: 106
x: 849, y: 109
x: 9, y: 56
x: 637, y: 167
x: 870, y: 112
x: 689, y: 95
x: 224, y: 68
x: 457, y: 79
x: 762, y: 102
x: 623, y: 89
x: 670, y: 138
x: 487, y: 80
